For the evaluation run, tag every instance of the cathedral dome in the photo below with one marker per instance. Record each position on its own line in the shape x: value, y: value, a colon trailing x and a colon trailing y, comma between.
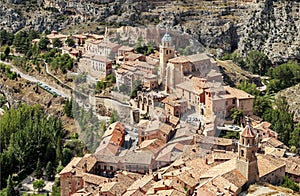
x: 167, y: 38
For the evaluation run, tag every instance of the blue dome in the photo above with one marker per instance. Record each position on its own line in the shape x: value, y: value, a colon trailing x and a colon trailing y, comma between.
x: 167, y: 38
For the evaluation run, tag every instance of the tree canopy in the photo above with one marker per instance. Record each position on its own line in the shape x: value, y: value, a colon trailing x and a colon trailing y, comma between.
x: 26, y: 135
x: 283, y: 76
x: 257, y: 62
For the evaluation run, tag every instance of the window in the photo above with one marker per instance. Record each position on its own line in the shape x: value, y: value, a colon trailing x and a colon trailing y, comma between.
x: 242, y: 153
x: 233, y: 101
x: 166, y: 51
x: 111, y: 168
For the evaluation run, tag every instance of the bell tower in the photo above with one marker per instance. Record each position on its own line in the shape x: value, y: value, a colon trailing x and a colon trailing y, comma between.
x: 166, y: 52
x: 246, y: 162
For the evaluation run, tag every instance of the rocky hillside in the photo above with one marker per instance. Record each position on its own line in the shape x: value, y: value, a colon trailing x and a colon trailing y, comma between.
x: 292, y: 95
x: 272, y: 26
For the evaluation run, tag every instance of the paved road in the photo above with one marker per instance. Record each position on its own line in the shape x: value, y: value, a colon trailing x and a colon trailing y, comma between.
x: 33, y: 79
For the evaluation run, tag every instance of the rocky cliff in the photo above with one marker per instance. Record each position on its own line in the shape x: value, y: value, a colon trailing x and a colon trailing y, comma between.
x: 273, y: 28
x: 269, y: 26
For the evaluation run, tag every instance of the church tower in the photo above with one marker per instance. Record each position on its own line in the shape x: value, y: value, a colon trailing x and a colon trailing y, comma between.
x: 246, y: 162
x: 166, y: 52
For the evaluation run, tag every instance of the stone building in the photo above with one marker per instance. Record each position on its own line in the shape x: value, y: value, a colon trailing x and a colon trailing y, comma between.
x: 55, y: 35
x: 101, y: 48
x: 96, y: 66
x: 175, y: 106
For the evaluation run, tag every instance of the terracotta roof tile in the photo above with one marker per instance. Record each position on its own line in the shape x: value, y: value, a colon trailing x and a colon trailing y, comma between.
x: 272, y: 141
x: 143, y: 183
x: 188, y: 179
x: 239, y: 94
x: 248, y: 132
x: 94, y: 179
x: 235, y: 177
x: 71, y: 165
x: 292, y: 165
x: 267, y: 164
x: 181, y: 59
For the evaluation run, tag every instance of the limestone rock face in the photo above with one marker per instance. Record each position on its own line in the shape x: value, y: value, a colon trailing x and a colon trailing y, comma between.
x: 273, y: 28
x: 10, y: 19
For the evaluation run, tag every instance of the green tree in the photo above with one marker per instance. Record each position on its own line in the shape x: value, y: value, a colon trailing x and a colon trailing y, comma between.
x: 6, y: 38
x: 70, y: 42
x: 23, y: 140
x: 283, y: 76
x: 288, y: 183
x: 68, y: 108
x: 282, y: 123
x: 7, y: 51
x: 49, y: 171
x: 261, y: 105
x: 10, y: 191
x: 236, y: 115
x: 38, y: 184
x: 38, y: 170
x: 257, y: 62
x: 137, y: 86
x: 56, y: 188
x: 59, y: 155
x: 114, y: 117
x: 57, y: 43
x: 43, y: 43
x: 67, y: 156
x: 248, y: 87
x: 21, y: 42
x: 295, y: 137
x: 60, y: 167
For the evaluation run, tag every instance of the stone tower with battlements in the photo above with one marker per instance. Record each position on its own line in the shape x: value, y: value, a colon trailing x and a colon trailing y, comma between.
x: 246, y: 162
x: 166, y: 52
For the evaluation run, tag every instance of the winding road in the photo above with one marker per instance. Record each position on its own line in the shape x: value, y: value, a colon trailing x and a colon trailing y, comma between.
x: 33, y: 79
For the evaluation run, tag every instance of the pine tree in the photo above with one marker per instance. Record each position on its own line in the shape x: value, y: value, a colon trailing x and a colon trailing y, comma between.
x: 49, y: 171
x: 10, y: 191
x: 38, y: 170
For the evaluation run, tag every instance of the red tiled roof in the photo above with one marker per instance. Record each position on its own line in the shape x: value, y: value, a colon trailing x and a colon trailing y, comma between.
x: 248, y: 132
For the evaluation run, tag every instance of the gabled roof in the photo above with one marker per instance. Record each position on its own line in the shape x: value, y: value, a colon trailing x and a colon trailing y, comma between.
x: 272, y: 141
x: 93, y: 179
x: 292, y: 165
x: 268, y: 163
x: 143, y: 183
x: 71, y: 165
x: 170, y: 152
x: 188, y: 179
x: 179, y: 60
x: 143, y: 157
x: 198, y: 57
x: 220, y: 169
x: 239, y: 94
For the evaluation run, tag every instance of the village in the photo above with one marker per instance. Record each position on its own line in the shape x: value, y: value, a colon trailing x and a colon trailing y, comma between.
x: 170, y: 139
